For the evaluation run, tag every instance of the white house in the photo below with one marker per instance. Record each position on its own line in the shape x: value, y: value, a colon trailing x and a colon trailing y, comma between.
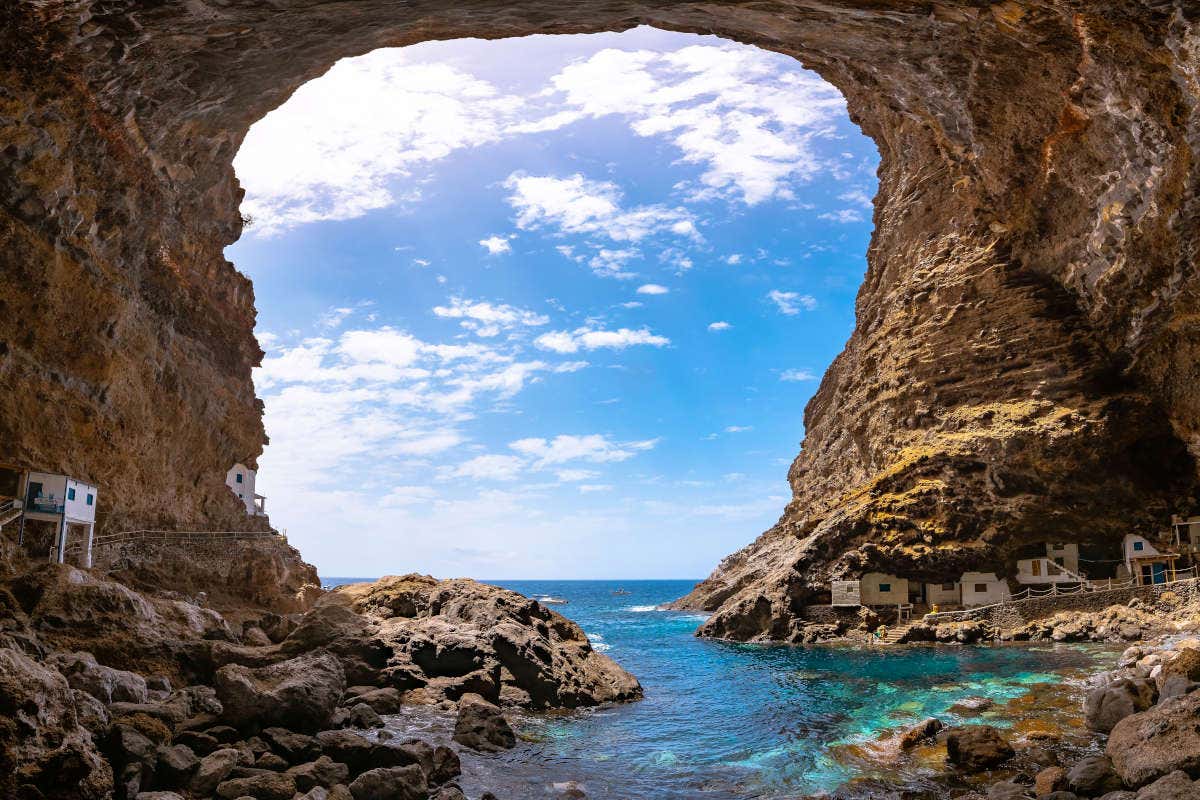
x: 878, y: 589
x: 983, y: 588
x: 943, y: 594
x: 68, y: 503
x: 1145, y: 562
x: 241, y: 479
x: 1187, y: 534
x: 1059, y: 565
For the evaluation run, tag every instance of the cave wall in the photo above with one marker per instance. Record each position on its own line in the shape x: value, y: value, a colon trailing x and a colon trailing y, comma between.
x: 1024, y: 360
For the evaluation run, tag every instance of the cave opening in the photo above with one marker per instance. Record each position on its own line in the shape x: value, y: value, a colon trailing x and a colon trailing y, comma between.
x: 558, y: 299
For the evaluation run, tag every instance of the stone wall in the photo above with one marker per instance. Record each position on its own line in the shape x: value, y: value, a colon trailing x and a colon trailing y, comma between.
x: 1042, y: 607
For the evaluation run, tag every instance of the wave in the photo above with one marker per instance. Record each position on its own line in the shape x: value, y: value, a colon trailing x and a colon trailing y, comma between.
x: 641, y: 609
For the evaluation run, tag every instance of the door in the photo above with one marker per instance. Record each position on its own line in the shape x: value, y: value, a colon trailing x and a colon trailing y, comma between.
x: 35, y: 491
x: 1160, y: 573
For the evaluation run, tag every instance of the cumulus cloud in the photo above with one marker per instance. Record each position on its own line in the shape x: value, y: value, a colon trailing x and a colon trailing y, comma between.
x: 594, y: 339
x: 578, y: 205
x: 842, y: 215
x: 797, y: 375
x: 495, y: 245
x: 563, y: 448
x: 739, y: 428
x: 488, y: 319
x: 652, y: 288
x: 790, y: 303
x: 719, y: 326
x: 487, y: 468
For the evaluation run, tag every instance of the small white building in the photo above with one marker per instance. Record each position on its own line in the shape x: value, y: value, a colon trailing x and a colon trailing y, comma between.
x: 1187, y: 534
x: 68, y: 503
x: 983, y: 588
x: 241, y: 480
x: 943, y: 594
x: 1059, y: 565
x: 1145, y: 562
x: 878, y: 589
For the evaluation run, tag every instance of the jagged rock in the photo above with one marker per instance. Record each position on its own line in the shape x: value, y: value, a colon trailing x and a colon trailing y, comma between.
x: 360, y: 715
x: 922, y: 731
x: 1175, y: 786
x: 200, y: 743
x: 458, y: 636
x: 272, y: 762
x: 1184, y: 669
x: 299, y: 693
x: 481, y: 725
x: 91, y: 713
x: 450, y: 792
x: 1050, y: 779
x: 391, y: 783
x: 1093, y: 776
x: 1147, y: 746
x: 972, y: 705
x: 295, y: 747
x: 106, y: 684
x: 265, y: 786
x: 977, y: 747
x: 1007, y: 790
x: 213, y: 769
x: 323, y: 772
x: 446, y: 765
x: 43, y: 747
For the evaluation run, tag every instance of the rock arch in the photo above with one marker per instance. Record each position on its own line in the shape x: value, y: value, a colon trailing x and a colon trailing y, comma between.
x: 1025, y: 359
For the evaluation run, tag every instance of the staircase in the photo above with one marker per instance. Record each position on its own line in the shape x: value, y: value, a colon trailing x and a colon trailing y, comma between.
x: 9, y: 510
x: 895, y: 634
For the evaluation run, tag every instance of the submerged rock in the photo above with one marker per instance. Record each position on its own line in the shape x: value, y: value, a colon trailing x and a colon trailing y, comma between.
x: 974, y: 748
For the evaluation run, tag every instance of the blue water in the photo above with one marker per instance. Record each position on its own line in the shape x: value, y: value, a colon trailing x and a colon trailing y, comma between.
x: 723, y: 720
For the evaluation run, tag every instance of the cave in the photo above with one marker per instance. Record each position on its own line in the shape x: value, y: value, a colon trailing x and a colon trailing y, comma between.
x: 1027, y: 340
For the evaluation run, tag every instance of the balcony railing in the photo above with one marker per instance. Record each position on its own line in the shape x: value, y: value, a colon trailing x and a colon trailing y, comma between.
x: 46, y: 505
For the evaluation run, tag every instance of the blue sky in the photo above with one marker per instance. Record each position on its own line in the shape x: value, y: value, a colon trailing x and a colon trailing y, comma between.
x: 547, y: 307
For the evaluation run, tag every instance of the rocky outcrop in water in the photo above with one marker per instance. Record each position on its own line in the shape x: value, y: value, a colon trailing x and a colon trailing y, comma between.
x: 1024, y: 360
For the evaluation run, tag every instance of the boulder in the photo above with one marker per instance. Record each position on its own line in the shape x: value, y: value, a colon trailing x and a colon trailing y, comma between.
x: 1007, y: 790
x: 106, y: 684
x: 480, y: 725
x: 91, y: 713
x: 1093, y: 776
x: 384, y: 701
x: 295, y: 747
x: 43, y: 748
x: 448, y: 792
x: 1050, y: 779
x: 446, y: 765
x: 1185, y: 665
x: 391, y: 783
x: 972, y: 705
x: 266, y: 786
x: 272, y: 762
x: 922, y: 731
x: 158, y: 796
x: 176, y: 765
x: 323, y: 772
x: 974, y: 748
x: 1154, y: 743
x: 300, y: 693
x: 347, y: 748
x: 1175, y: 786
x: 212, y: 770
x: 1105, y: 706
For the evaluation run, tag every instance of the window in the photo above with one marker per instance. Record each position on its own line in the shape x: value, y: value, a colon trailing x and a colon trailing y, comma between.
x: 981, y: 588
x: 239, y: 477
x: 1139, y: 546
x: 884, y: 588
x: 1037, y: 567
x: 947, y: 587
x: 71, y: 493
x: 91, y: 499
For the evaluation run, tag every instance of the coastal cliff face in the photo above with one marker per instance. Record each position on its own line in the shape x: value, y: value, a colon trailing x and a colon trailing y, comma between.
x: 1025, y: 357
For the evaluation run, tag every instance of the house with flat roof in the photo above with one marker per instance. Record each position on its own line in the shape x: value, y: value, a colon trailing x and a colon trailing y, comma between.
x: 64, y: 505
x: 241, y: 481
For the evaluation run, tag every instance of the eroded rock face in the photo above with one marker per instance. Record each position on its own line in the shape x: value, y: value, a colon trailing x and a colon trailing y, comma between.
x: 445, y: 639
x: 1024, y: 361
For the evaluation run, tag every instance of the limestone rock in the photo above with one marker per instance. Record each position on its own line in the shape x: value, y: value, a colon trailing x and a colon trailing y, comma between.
x: 300, y: 693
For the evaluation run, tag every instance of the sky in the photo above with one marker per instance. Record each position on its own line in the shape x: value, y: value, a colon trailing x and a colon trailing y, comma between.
x: 547, y: 308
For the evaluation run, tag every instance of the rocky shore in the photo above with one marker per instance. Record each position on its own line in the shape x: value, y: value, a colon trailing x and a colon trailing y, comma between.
x: 107, y: 692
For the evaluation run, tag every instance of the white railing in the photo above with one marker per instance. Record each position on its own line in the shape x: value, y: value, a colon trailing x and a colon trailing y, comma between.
x: 178, y: 537
x: 1091, y: 587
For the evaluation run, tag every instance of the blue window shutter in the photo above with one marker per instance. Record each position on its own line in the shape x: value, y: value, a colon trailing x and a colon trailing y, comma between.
x: 1137, y: 545
x: 71, y: 493
x: 239, y: 477
x: 90, y: 499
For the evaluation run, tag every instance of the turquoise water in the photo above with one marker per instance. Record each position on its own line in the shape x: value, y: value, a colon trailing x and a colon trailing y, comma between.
x: 723, y: 720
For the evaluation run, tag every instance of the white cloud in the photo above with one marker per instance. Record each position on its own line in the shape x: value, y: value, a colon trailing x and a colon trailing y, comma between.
x: 488, y: 319
x: 563, y: 448
x: 652, y: 288
x: 733, y: 259
x: 578, y: 205
x: 842, y: 215
x: 592, y: 339
x: 797, y: 375
x: 858, y: 196
x: 610, y: 262
x: 574, y: 475
x: 739, y: 428
x: 495, y: 245
x: 790, y: 303
x: 719, y: 326
x: 589, y: 488
x: 632, y: 304
x: 488, y: 468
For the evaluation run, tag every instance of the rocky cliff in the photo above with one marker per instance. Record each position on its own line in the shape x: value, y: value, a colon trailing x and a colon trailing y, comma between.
x: 1026, y: 348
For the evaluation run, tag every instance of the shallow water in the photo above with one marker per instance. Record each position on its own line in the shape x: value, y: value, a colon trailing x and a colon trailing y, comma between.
x: 726, y: 721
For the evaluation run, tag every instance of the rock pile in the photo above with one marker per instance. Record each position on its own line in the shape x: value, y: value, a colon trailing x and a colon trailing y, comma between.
x: 280, y: 707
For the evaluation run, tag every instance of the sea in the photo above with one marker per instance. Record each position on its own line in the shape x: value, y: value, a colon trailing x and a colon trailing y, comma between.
x: 729, y: 721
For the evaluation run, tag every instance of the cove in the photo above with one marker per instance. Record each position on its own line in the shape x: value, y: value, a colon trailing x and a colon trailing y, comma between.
x: 728, y: 721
